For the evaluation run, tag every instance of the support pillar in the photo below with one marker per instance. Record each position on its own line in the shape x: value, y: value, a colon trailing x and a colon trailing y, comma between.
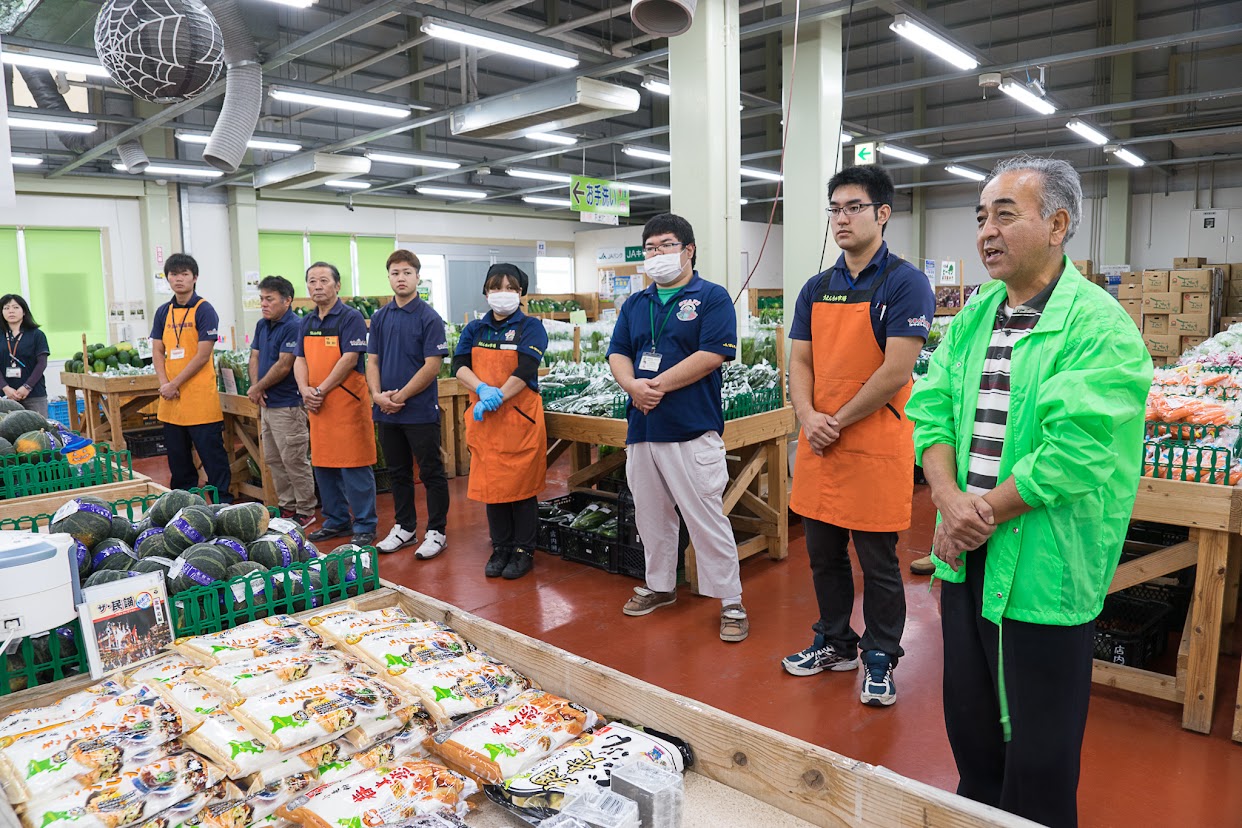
x: 1116, y: 247
x: 160, y: 239
x: 243, y: 255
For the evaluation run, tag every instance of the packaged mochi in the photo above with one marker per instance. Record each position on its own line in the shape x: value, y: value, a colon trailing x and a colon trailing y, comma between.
x: 236, y: 681
x: 268, y: 636
x: 390, y: 793
x: 338, y: 625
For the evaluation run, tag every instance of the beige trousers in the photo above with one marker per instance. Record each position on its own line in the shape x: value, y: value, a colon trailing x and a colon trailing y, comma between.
x: 286, y: 451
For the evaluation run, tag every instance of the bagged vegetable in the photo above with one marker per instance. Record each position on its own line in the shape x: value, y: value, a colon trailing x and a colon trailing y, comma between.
x: 594, y: 516
x: 466, y: 684
x: 269, y: 636
x: 387, y: 794
x: 317, y: 708
x: 336, y: 627
x: 238, y: 680
x: 30, y: 719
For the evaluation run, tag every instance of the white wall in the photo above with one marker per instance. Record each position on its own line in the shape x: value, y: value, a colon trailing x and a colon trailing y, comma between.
x: 217, y: 283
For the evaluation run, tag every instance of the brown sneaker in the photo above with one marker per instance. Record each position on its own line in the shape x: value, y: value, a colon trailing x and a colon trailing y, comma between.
x: 644, y: 601
x: 923, y: 566
x: 734, y: 625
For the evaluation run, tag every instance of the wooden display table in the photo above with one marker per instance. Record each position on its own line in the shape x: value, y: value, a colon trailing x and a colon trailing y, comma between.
x: 109, y: 400
x: 453, y: 402
x: 759, y: 514
x: 243, y: 440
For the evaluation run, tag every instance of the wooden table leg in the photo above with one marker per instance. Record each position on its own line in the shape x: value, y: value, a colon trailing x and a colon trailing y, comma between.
x: 116, y: 418
x: 448, y: 437
x: 778, y: 496
x: 71, y: 399
x: 1233, y: 574
x: 1206, y: 610
x: 579, y: 456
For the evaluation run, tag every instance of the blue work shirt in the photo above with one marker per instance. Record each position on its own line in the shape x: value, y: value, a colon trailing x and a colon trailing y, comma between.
x: 206, y: 320
x: 343, y: 322
x: 516, y: 332
x: 271, y: 339
x: 903, y: 306
x: 700, y: 318
x: 403, y: 338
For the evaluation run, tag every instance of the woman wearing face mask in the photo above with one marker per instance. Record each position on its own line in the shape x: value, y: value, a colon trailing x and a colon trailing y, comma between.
x: 498, y: 359
x: 27, y: 356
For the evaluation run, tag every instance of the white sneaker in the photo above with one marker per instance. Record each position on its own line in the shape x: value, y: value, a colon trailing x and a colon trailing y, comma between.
x: 397, y: 539
x: 433, y: 544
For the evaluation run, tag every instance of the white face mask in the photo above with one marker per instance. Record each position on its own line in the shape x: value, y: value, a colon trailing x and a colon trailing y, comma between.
x: 503, y: 302
x: 665, y: 268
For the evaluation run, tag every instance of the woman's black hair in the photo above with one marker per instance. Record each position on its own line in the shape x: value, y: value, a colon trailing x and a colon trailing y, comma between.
x: 28, y: 321
x: 497, y: 272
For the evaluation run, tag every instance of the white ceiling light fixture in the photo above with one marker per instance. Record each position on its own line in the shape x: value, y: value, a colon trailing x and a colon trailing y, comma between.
x: 297, y: 4
x: 493, y: 41
x: 347, y: 184
x: 547, y: 202
x: 384, y: 157
x: 643, y: 188
x: 37, y: 58
x: 173, y: 171
x: 539, y: 175
x: 552, y: 138
x: 1087, y: 131
x: 846, y: 137
x: 657, y: 86
x: 966, y: 172
x: 647, y: 152
x: 755, y: 172
x: 940, y: 45
x: 269, y: 144
x: 26, y: 161
x: 49, y: 124
x: 559, y: 103
x: 903, y: 153
x: 450, y: 192
x: 342, y: 101
x: 1031, y: 96
x: 1131, y: 158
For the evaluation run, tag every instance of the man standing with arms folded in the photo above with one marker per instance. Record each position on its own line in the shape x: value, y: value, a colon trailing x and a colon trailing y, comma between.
x: 183, y: 335
x: 406, y: 347
x: 1029, y: 427
x: 857, y: 332
x: 286, y: 433
x: 667, y: 348
x: 330, y: 378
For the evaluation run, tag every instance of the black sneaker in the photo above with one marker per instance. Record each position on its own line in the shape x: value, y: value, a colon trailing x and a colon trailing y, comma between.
x: 328, y: 533
x: 363, y: 539
x: 520, y: 562
x: 497, y: 562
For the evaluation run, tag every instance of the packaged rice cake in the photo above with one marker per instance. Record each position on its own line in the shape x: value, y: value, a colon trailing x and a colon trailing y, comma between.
x: 193, y: 701
x: 461, y: 686
x: 316, y: 709
x: 162, y: 670
x: 373, y: 730
x: 186, y: 812
x: 337, y: 626
x: 399, y: 648
x: 237, y: 681
x: 439, y: 819
x: 130, y: 798
x: 388, y: 794
x: 308, y: 761
x: 408, y: 742
x: 268, y: 636
x: 223, y: 740
x: 257, y: 806
x: 21, y: 722
x: 507, y: 740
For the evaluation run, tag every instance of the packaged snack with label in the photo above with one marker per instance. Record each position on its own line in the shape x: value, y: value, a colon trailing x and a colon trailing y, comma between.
x: 186, y: 812
x: 162, y: 669
x: 223, y: 740
x: 409, y: 741
x: 236, y: 681
x: 258, y: 805
x: 193, y: 701
x: 21, y: 722
x: 460, y: 686
x: 268, y: 636
x: 338, y: 625
x: 387, y: 794
x: 400, y: 648
x: 315, y: 709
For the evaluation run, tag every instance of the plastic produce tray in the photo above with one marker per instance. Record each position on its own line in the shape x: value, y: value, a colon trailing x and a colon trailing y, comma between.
x: 1131, y: 631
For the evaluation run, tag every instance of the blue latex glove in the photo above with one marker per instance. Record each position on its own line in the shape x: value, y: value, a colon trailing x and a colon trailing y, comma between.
x: 479, y: 411
x: 490, y: 397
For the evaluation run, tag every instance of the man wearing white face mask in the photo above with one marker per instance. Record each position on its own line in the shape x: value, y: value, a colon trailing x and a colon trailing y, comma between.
x: 667, y: 350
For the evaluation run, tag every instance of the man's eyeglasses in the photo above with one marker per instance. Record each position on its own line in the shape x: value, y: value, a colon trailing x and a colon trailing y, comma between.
x: 851, y: 209
x: 667, y: 247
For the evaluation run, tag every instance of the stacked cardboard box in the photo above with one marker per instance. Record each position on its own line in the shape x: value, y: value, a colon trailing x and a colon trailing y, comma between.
x: 1232, y: 295
x: 1189, y: 307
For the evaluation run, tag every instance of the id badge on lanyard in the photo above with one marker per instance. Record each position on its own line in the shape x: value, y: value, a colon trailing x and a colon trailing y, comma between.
x: 13, y: 371
x: 649, y: 361
x: 177, y: 353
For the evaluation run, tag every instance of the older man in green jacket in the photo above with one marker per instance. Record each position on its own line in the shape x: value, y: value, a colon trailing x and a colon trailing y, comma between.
x: 1029, y: 428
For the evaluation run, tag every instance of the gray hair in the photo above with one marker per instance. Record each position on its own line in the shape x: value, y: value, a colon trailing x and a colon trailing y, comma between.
x: 1062, y: 188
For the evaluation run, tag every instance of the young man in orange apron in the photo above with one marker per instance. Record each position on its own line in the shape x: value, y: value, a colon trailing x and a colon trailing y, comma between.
x: 857, y: 332
x: 183, y: 336
x: 497, y: 359
x: 330, y: 372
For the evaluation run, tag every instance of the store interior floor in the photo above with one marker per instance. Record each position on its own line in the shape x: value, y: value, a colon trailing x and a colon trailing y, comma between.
x: 1140, y: 768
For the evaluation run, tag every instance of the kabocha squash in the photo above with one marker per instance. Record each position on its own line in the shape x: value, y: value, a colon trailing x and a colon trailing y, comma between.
x: 17, y: 423
x: 34, y: 441
x: 201, y: 565
x: 87, y: 518
x: 192, y: 525
x: 8, y: 406
x: 170, y: 503
x: 6, y: 448
x: 245, y: 521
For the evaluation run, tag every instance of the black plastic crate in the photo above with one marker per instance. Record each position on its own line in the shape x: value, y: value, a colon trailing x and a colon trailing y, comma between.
x: 551, y: 535
x: 1157, y: 534
x: 587, y: 548
x: 1174, y: 596
x: 383, y: 481
x: 146, y: 443
x: 1131, y: 631
x: 627, y: 529
x: 629, y: 560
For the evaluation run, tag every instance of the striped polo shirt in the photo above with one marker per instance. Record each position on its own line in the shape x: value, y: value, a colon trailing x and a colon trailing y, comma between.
x: 992, y: 413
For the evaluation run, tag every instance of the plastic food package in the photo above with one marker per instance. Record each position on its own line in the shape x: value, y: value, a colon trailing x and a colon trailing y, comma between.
x: 563, y: 821
x: 318, y: 708
x: 336, y: 626
x: 601, y: 808
x: 507, y: 740
x: 186, y: 810
x: 193, y: 701
x: 388, y: 794
x: 258, y: 805
x: 408, y: 742
x: 161, y: 670
x: 332, y: 754
x: 464, y: 685
x: 659, y: 793
x: 396, y: 650
x: 269, y: 636
x: 71, y: 707
x: 224, y: 741
x: 440, y: 819
x: 239, y: 680
x: 370, y: 731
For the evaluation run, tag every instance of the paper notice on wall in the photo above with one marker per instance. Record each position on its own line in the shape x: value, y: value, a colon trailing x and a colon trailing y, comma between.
x: 948, y: 273
x: 250, y: 291
x: 136, y: 311
x: 161, y: 284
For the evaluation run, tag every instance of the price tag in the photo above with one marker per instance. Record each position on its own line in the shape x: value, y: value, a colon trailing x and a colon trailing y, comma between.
x: 82, y: 455
x: 65, y: 511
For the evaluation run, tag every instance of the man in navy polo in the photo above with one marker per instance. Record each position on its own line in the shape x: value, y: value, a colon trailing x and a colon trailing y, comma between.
x: 406, y: 348
x: 667, y: 350
x: 286, y: 432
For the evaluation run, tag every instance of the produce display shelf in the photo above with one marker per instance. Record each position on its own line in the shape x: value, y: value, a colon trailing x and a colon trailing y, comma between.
x: 107, y: 403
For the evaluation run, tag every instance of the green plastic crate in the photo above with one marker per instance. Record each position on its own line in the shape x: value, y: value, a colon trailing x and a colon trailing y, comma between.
x: 756, y: 402
x: 550, y: 394
x: 132, y: 508
x: 59, y: 475
x: 1197, y: 464
x: 43, y: 659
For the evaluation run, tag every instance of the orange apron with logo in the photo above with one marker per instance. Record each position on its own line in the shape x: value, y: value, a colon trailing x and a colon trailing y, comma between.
x: 865, y: 480
x: 508, y: 450
x: 342, y: 435
x: 199, y: 401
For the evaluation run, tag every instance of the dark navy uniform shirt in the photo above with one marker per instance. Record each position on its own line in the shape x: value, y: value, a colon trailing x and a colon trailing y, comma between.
x: 403, y: 338
x: 343, y: 322
x: 516, y: 332
x: 23, y: 352
x: 206, y: 320
x: 271, y: 339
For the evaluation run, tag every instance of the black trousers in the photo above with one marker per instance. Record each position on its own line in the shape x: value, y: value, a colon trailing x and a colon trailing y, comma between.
x: 514, y: 524
x: 208, y: 440
x: 403, y: 445
x: 884, y: 595
x: 1047, y: 683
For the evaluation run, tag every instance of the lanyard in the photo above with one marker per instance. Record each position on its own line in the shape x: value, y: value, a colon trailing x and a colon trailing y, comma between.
x: 655, y: 334
x: 13, y: 343
x: 185, y: 319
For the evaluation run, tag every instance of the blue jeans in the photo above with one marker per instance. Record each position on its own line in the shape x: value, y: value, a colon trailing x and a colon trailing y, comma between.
x: 342, y: 491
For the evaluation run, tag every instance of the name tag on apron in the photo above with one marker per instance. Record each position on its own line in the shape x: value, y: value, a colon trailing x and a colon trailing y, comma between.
x: 330, y: 342
x: 13, y: 371
x: 177, y: 353
x: 649, y: 361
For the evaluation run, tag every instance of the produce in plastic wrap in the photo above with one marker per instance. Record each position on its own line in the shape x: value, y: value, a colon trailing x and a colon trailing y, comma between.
x: 461, y: 686
x: 186, y: 811
x: 507, y: 740
x: 399, y: 649
x: 257, y: 805
x: 236, y: 681
x: 337, y: 626
x: 387, y: 794
x: 279, y: 634
x: 66, y: 710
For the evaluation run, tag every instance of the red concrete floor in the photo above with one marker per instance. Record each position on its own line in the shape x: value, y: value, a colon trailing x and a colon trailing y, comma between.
x: 1139, y: 767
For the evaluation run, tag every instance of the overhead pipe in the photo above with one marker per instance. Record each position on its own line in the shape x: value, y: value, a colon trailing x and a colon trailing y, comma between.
x: 243, y: 90
x: 46, y: 94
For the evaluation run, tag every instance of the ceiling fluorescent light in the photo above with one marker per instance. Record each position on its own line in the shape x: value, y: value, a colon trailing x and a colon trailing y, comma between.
x: 1126, y: 155
x: 471, y: 35
x: 648, y: 153
x: 552, y: 138
x: 297, y: 4
x: 450, y: 192
x: 966, y: 172
x: 411, y: 160
x: 846, y: 138
x: 903, y: 153
x: 1087, y: 131
x: 168, y: 169
x: 743, y: 201
x: 26, y: 161
x: 939, y: 45
x: 346, y: 184
x: 35, y: 58
x: 270, y: 144
x: 659, y: 87
x: 546, y: 202
x: 50, y: 124
x: 540, y: 175
x: 347, y: 103
x: 1027, y: 97
x: 766, y: 175
x: 643, y: 188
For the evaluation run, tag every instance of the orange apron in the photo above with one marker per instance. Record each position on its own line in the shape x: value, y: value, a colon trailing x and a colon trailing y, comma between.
x: 342, y: 435
x: 199, y: 401
x: 508, y: 450
x: 865, y: 480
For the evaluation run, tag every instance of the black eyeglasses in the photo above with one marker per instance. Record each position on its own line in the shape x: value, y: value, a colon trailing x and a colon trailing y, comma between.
x: 667, y: 247
x: 852, y: 209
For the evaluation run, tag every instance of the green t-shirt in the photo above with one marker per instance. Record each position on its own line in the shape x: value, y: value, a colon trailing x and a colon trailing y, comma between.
x: 667, y: 293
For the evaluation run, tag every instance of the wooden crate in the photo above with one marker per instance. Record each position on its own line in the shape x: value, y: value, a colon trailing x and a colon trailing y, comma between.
x: 588, y: 301
x: 753, y: 295
x: 47, y: 504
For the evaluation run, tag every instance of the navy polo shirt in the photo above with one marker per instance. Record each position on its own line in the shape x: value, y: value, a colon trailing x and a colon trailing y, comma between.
x: 700, y: 318
x: 403, y: 338
x: 343, y: 322
x: 205, y: 319
x: 516, y: 332
x: 24, y: 352
x: 903, y: 306
x: 271, y: 339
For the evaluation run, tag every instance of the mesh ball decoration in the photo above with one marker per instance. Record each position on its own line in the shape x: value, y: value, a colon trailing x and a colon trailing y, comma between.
x: 163, y: 51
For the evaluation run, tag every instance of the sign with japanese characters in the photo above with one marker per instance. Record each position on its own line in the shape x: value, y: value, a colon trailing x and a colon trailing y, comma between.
x: 595, y: 195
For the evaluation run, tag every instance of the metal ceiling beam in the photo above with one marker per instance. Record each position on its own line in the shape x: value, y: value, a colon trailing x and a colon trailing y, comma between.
x: 1170, y: 162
